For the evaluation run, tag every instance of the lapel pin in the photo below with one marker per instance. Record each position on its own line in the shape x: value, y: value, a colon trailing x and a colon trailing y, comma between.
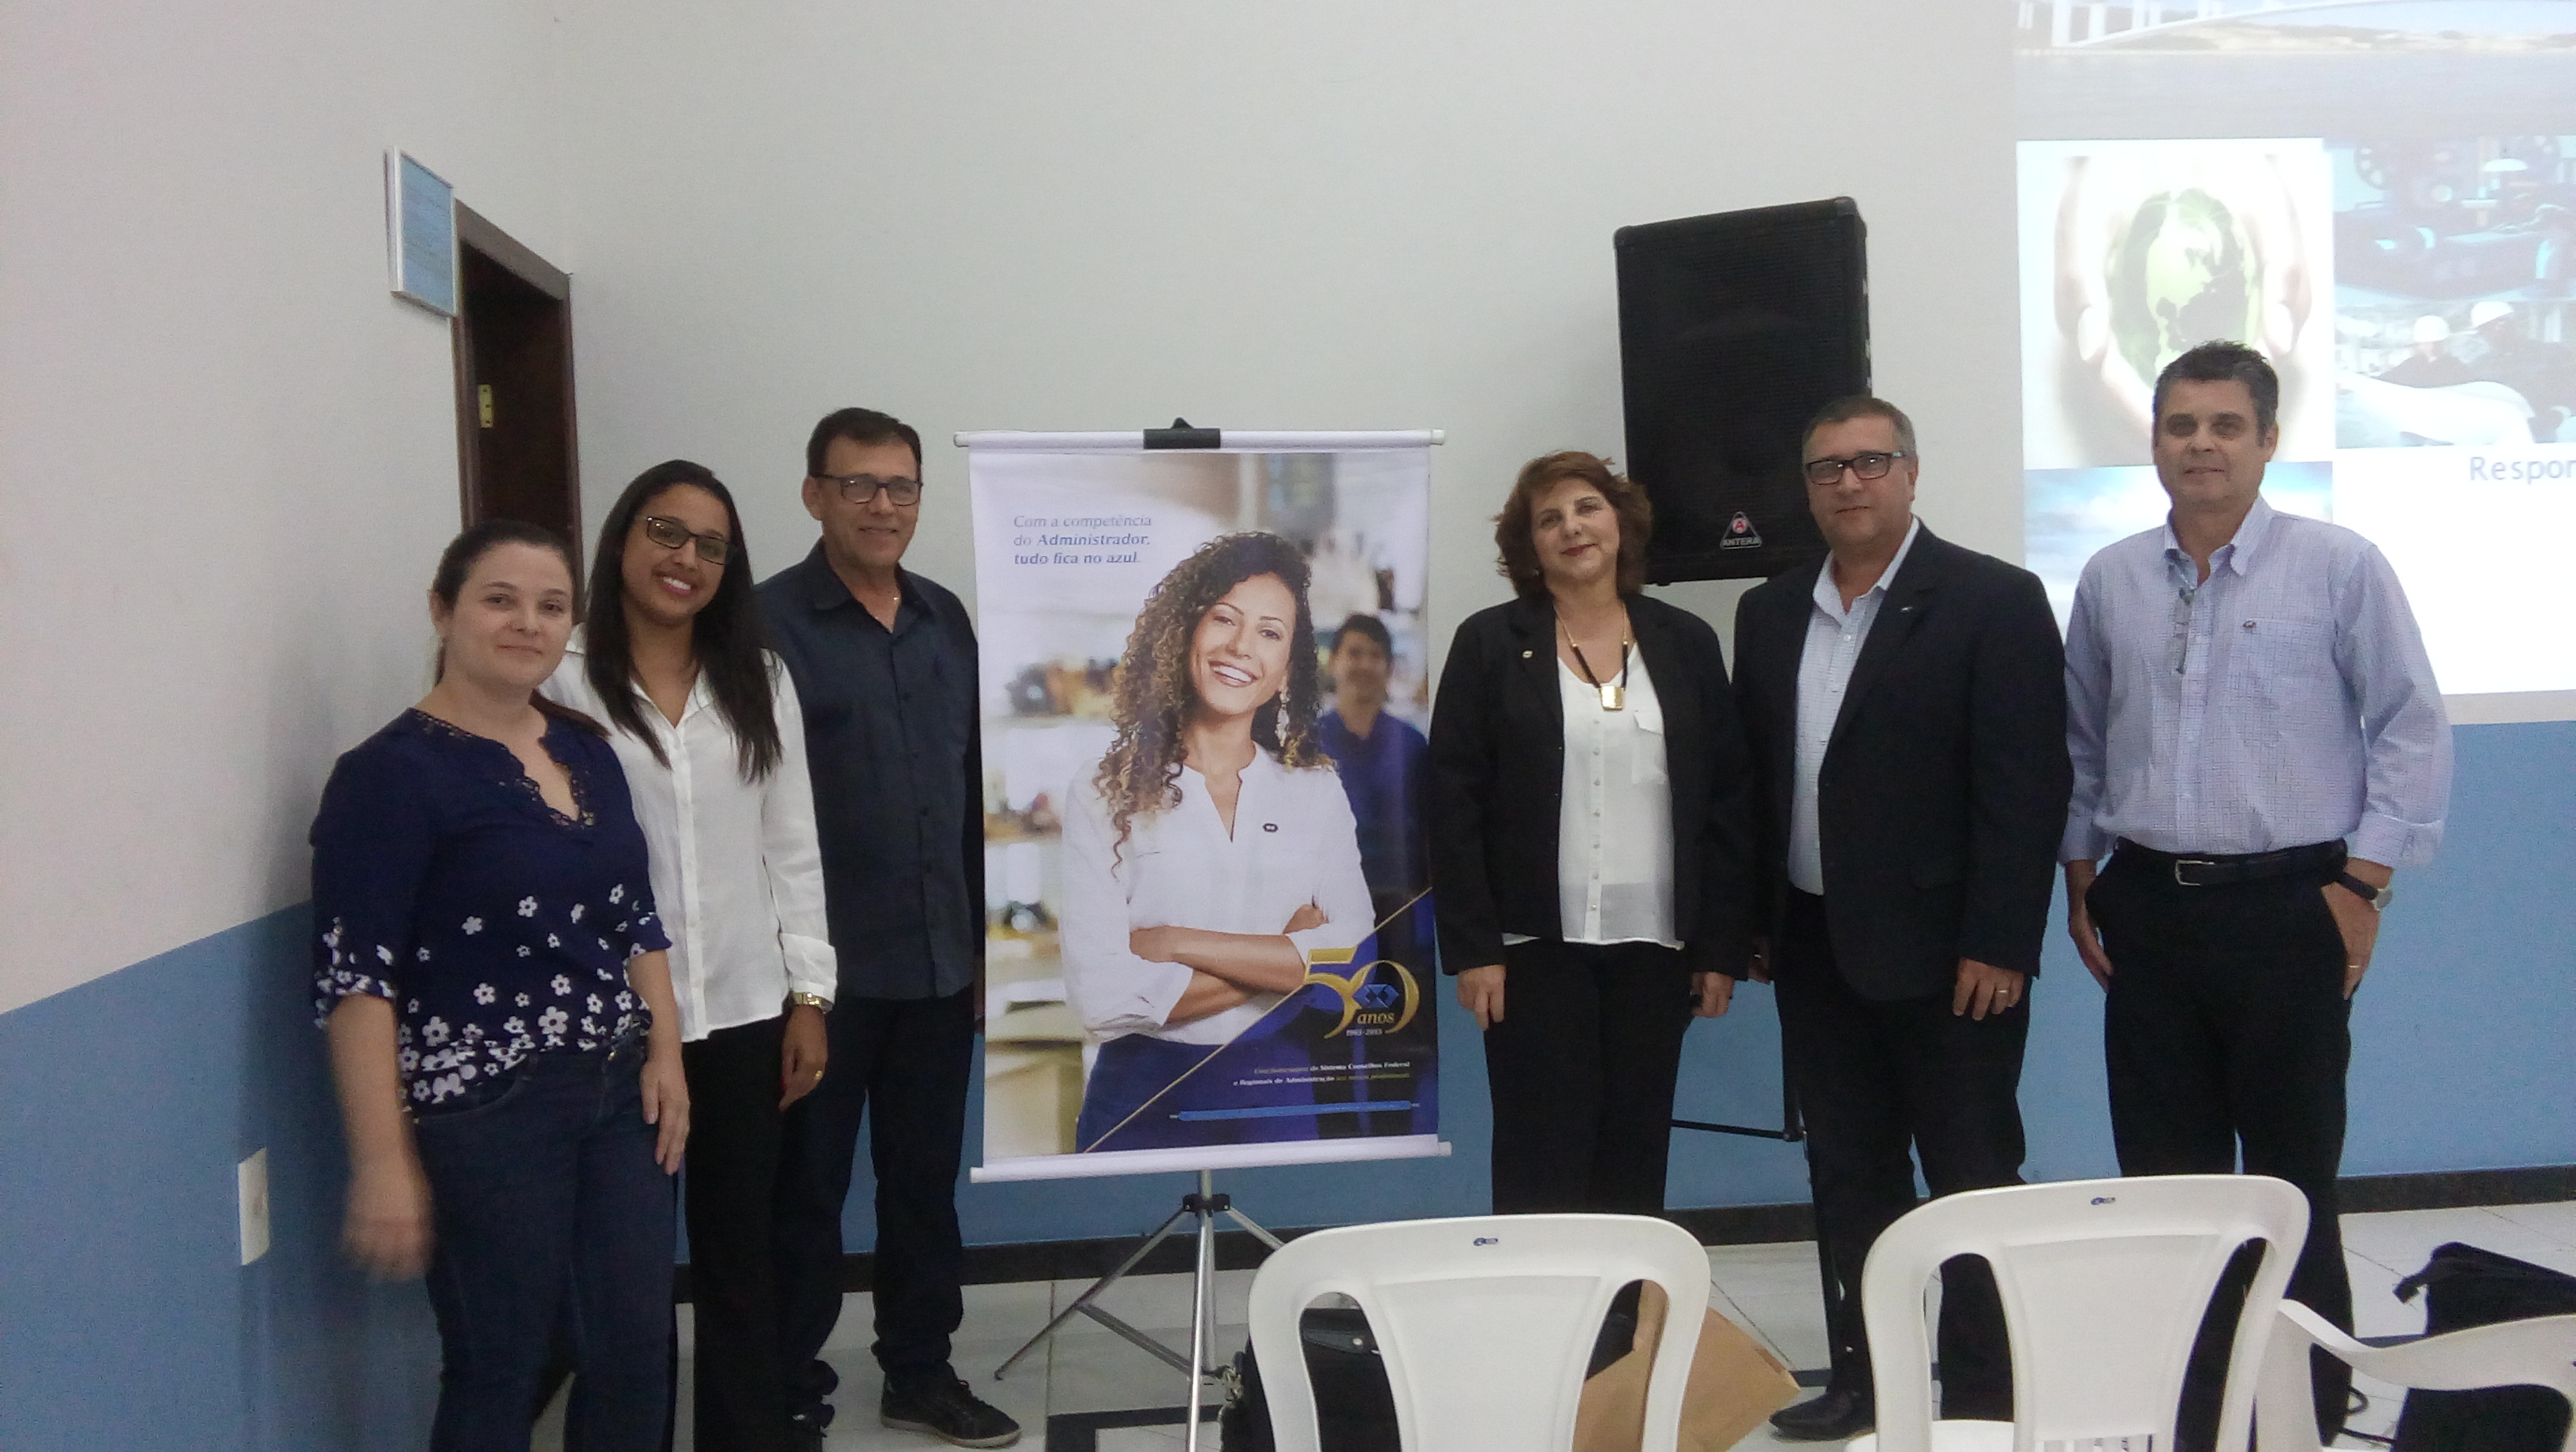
x: 1527, y: 654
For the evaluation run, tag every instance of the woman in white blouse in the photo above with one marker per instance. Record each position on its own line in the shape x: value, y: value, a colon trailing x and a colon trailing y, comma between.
x: 1212, y: 850
x: 1588, y: 842
x: 705, y: 722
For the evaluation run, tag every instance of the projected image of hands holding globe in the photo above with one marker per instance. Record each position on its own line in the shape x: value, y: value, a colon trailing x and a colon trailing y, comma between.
x: 2153, y: 248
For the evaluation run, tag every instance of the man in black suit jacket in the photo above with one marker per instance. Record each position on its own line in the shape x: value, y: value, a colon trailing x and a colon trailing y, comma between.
x: 1904, y: 707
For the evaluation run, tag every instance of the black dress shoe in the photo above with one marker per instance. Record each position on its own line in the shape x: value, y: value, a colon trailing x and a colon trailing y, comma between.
x: 1836, y: 1416
x: 948, y: 1409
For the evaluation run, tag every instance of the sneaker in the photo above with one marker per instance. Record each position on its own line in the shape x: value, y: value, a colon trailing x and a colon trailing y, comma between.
x: 949, y: 1410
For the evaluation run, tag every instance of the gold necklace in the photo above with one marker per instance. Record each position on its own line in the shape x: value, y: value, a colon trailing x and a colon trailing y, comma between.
x: 1614, y: 694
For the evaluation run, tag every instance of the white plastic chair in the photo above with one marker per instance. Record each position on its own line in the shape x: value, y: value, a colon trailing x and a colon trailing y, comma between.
x: 2537, y: 1352
x: 2104, y: 1284
x: 1485, y: 1323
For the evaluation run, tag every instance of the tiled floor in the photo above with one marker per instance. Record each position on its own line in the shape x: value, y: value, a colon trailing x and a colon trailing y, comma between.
x: 1770, y: 1290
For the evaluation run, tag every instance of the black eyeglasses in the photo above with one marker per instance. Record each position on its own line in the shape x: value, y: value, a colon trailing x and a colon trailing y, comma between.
x: 1873, y: 464
x: 860, y: 488
x: 670, y: 534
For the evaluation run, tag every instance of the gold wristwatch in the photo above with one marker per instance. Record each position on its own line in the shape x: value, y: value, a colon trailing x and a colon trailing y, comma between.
x: 810, y: 1000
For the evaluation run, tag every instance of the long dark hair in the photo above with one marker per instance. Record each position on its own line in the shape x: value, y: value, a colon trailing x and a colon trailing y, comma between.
x: 727, y: 637
x: 1151, y: 697
x: 458, y: 560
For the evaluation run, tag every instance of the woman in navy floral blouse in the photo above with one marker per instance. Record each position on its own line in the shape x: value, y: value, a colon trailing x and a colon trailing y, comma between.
x: 498, y: 999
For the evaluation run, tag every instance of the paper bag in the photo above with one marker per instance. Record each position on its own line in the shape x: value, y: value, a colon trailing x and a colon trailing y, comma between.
x: 1734, y: 1386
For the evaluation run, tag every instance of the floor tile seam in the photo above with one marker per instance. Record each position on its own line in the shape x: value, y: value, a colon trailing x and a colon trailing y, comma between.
x: 2560, y: 1238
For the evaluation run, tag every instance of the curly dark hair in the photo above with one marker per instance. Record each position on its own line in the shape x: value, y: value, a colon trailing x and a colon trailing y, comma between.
x: 1151, y: 697
x: 1519, y: 550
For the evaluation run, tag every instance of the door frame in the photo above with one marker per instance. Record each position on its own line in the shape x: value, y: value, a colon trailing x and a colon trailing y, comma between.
x: 474, y: 230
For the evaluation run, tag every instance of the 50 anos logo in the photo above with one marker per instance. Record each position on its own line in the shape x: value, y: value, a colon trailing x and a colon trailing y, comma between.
x: 1375, y: 998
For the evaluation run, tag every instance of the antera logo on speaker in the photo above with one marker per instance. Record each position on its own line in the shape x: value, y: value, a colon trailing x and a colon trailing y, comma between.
x: 1740, y: 534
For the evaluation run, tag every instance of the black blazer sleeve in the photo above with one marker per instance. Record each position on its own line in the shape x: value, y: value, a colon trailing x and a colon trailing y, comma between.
x: 1718, y: 936
x: 2020, y: 779
x: 1764, y: 873
x: 1464, y: 772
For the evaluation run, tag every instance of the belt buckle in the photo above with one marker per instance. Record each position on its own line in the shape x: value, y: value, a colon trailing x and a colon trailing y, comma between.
x: 2180, y: 863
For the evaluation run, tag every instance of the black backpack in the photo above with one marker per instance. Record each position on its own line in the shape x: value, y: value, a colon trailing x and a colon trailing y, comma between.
x: 1354, y: 1406
x: 2465, y: 1287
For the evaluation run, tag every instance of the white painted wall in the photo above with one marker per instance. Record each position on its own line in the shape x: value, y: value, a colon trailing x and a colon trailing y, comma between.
x: 227, y: 454
x: 1343, y: 214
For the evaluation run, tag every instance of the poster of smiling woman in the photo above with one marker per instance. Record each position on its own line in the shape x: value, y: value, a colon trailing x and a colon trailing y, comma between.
x: 1204, y: 693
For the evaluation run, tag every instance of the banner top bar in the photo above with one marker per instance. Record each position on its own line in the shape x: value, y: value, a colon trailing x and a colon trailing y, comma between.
x: 1230, y: 441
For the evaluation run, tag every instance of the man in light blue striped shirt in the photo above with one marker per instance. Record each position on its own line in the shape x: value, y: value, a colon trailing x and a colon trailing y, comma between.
x: 2259, y: 743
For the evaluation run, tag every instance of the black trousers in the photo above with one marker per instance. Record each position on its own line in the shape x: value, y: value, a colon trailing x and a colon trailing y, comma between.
x: 1581, y: 1069
x: 902, y: 1065
x: 732, y: 1197
x: 1875, y: 1079
x: 2227, y: 1032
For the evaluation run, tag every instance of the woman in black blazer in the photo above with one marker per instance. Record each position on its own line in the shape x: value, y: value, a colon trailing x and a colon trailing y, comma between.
x: 1589, y: 842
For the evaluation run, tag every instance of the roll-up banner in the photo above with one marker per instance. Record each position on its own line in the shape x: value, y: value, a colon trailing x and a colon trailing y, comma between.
x: 1205, y: 685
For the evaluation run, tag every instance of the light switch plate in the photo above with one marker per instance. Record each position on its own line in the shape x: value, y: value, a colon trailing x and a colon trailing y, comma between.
x: 252, y: 1175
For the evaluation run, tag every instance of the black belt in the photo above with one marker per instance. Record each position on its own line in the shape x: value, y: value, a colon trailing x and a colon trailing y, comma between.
x: 2318, y: 858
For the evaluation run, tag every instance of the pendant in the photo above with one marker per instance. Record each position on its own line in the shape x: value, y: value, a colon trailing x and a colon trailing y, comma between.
x: 1613, y: 696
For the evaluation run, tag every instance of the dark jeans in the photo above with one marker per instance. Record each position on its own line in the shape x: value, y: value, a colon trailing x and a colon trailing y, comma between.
x: 549, y: 1211
x: 1873, y: 1079
x: 732, y: 1193
x: 1581, y: 1070
x: 902, y: 1064
x: 2226, y: 1028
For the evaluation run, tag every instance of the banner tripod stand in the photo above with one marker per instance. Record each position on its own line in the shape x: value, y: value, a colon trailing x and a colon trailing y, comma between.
x: 1203, y: 1206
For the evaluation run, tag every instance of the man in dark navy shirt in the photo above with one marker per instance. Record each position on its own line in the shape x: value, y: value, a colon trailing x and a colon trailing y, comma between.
x: 884, y: 665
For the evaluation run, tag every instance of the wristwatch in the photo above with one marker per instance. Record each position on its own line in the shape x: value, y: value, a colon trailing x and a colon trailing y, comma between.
x: 810, y: 1000
x: 2378, y: 897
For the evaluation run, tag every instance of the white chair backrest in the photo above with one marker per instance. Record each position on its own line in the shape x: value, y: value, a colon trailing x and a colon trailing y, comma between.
x: 1485, y: 1323
x: 2104, y: 1283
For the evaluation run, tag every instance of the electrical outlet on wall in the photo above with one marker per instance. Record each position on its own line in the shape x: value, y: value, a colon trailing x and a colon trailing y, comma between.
x: 252, y: 1175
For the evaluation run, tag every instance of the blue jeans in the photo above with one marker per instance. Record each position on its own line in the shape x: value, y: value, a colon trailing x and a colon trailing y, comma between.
x: 549, y: 1211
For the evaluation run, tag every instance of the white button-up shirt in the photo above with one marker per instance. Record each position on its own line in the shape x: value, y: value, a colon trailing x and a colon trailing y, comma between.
x: 1614, y: 825
x: 1294, y: 842
x: 1834, y: 638
x: 736, y: 873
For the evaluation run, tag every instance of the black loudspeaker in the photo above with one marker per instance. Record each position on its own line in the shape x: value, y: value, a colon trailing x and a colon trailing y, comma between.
x: 1734, y: 330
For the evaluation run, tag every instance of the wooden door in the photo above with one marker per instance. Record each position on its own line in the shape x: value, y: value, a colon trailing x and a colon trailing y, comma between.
x: 517, y: 447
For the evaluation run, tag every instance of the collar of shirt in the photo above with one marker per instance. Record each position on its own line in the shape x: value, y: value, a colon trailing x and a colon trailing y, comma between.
x: 1340, y: 739
x: 701, y: 695
x: 1829, y: 596
x: 827, y: 591
x: 2234, y: 555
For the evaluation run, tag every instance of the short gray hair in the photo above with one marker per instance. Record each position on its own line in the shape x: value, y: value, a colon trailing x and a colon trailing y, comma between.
x: 1860, y: 405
